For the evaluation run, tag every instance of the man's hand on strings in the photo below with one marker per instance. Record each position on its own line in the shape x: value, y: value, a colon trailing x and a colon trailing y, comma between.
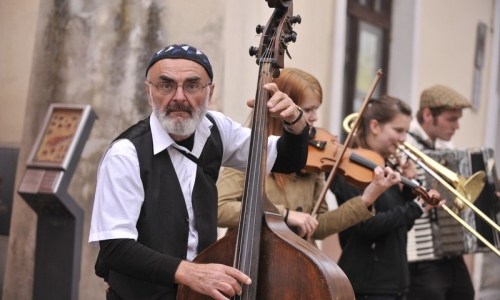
x: 281, y: 106
x: 214, y: 280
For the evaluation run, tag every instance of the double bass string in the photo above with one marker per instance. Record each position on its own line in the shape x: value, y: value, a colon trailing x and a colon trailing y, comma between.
x: 249, y: 261
x: 249, y: 230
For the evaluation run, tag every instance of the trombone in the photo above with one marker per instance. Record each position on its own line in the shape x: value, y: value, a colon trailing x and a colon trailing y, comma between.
x: 465, y: 190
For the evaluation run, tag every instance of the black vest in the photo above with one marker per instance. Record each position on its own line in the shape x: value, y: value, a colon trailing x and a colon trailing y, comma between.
x: 163, y: 223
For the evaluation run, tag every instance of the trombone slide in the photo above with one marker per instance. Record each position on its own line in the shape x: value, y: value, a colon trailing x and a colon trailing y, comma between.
x: 489, y: 226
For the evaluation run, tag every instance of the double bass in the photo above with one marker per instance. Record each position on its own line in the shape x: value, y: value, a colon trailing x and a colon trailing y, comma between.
x: 280, y: 263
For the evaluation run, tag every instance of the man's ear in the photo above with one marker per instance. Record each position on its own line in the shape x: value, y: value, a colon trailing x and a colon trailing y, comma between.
x: 212, y: 88
x: 427, y: 115
x: 149, y: 92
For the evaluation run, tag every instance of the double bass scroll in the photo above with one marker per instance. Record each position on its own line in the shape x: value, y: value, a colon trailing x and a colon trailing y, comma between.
x: 280, y: 263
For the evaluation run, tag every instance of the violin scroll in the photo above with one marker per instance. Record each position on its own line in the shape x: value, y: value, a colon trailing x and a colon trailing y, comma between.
x: 429, y: 199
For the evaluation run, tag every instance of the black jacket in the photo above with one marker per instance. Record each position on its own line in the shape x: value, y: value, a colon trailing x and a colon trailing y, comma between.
x: 374, y: 251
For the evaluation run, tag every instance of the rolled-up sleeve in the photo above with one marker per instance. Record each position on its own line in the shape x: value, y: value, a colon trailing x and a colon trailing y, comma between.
x: 119, y: 195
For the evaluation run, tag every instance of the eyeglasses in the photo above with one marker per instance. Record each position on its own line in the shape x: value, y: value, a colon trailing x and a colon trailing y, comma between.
x: 189, y: 88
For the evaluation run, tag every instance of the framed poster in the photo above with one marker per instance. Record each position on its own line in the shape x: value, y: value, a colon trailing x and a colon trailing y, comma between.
x: 56, y: 142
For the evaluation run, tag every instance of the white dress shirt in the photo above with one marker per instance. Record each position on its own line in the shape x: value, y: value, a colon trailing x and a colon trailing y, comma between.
x: 119, y: 191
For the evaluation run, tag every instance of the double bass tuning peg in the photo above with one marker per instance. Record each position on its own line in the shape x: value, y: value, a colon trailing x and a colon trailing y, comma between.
x: 253, y: 51
x: 260, y: 29
x: 290, y: 37
x: 295, y: 19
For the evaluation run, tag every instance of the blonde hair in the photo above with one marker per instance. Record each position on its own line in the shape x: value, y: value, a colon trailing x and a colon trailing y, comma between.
x: 295, y: 83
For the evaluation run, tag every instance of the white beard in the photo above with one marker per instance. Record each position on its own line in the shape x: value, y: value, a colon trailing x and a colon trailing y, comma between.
x: 185, y: 127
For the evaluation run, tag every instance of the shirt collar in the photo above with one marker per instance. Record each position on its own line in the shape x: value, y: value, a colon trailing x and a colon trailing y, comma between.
x: 417, y: 129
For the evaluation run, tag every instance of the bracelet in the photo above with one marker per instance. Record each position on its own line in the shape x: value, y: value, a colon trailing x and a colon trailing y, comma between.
x: 286, y: 214
x: 296, y: 120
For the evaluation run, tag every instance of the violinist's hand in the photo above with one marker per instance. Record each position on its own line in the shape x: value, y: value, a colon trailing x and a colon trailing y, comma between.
x: 304, y: 222
x: 383, y: 180
x: 433, y: 193
x: 282, y: 106
x: 211, y: 279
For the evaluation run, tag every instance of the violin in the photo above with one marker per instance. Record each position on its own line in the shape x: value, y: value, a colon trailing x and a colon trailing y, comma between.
x: 356, y: 165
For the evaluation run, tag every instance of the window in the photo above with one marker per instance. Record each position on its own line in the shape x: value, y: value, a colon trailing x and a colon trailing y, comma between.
x: 367, y: 50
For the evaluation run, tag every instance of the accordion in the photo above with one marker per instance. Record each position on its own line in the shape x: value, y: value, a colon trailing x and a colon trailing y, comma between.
x: 437, y: 234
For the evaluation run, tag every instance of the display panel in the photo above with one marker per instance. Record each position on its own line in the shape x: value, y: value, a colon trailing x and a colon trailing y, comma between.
x: 56, y: 141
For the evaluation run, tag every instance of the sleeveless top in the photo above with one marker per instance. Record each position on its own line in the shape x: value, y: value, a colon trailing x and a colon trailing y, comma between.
x: 163, y: 223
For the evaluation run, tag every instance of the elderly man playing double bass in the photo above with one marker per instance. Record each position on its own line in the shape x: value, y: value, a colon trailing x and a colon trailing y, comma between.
x: 155, y: 205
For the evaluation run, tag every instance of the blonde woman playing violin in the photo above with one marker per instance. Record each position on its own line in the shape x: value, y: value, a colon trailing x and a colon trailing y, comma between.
x: 295, y: 195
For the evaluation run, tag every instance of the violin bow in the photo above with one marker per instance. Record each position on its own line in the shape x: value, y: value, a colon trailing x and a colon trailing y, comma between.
x: 347, y: 142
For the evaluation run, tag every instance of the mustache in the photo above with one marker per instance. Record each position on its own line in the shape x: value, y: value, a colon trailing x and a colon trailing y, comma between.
x: 179, y: 107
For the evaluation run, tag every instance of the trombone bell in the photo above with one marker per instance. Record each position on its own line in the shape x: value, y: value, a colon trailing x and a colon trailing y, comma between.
x: 470, y: 188
x: 349, y: 122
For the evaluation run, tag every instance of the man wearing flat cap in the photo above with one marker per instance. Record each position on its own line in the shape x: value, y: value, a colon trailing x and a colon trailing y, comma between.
x: 437, y: 120
x: 155, y: 204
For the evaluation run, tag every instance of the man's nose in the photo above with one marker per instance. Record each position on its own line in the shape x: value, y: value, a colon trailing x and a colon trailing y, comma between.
x: 179, y: 93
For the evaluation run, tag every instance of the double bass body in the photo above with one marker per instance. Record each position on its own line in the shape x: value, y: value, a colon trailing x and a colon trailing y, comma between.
x: 280, y: 263
x: 289, y: 267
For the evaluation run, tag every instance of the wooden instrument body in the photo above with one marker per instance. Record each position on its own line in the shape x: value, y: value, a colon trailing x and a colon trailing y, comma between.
x: 289, y: 267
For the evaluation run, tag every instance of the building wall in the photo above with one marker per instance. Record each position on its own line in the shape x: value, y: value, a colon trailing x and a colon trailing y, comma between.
x: 94, y: 52
x: 447, y: 53
x: 311, y: 52
x: 17, y: 30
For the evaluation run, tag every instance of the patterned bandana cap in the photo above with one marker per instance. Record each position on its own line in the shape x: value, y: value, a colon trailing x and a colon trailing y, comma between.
x: 183, y: 51
x: 442, y: 97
